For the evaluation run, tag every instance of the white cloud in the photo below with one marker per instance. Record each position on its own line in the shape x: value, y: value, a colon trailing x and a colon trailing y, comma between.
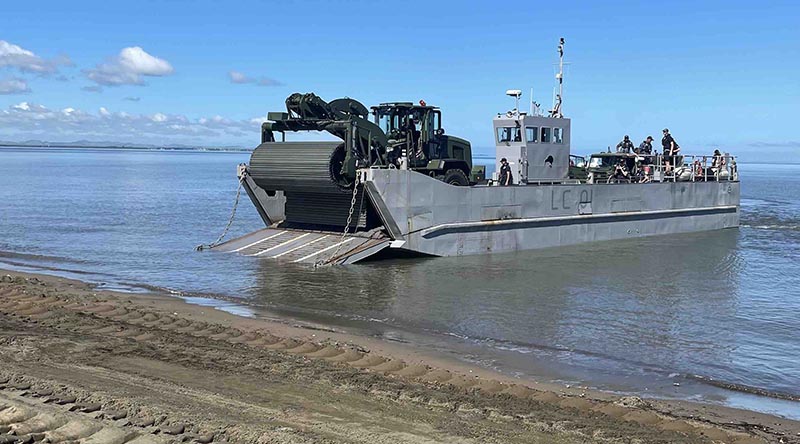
x: 14, y: 86
x: 258, y: 120
x: 241, y: 78
x: 14, y: 56
x: 137, y: 60
x: 238, y: 77
x: 129, y: 67
x: 30, y: 120
x: 22, y: 106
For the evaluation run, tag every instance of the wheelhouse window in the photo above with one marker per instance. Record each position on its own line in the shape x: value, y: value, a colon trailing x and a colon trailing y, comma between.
x: 530, y: 134
x: 545, y: 135
x: 508, y: 134
x: 558, y: 135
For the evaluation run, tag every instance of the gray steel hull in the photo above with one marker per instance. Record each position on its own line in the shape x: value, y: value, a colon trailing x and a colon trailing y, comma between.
x: 424, y: 215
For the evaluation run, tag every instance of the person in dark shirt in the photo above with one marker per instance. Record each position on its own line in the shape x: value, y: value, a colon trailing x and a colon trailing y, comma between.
x: 718, y: 161
x: 626, y: 146
x: 505, y: 173
x: 646, y: 147
x: 671, y: 150
x: 645, y: 150
x: 413, y: 136
x: 621, y: 173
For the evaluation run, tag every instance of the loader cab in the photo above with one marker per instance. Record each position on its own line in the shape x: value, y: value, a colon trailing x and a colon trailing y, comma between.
x: 430, y: 144
x: 394, y: 119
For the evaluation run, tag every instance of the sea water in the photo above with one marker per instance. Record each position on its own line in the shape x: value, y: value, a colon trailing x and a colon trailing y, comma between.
x: 705, y: 316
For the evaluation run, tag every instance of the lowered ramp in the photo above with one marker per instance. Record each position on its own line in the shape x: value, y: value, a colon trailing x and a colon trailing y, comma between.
x: 306, y: 246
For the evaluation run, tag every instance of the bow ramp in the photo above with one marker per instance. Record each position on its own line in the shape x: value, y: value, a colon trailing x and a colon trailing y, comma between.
x: 306, y: 246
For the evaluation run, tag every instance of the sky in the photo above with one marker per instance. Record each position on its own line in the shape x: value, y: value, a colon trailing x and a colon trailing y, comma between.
x: 206, y: 72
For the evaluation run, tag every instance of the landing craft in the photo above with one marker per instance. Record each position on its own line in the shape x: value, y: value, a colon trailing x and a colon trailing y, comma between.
x: 398, y: 185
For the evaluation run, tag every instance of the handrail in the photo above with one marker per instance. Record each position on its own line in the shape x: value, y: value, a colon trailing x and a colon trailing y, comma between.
x: 691, y: 168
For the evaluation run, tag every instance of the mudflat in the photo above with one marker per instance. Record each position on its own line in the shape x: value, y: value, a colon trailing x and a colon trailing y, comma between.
x: 89, y: 366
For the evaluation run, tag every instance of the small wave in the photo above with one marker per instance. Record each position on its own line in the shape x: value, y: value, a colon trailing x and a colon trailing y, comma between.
x: 743, y: 388
x: 773, y: 219
x: 40, y: 258
x: 524, y: 348
x: 773, y: 227
x: 456, y: 335
x: 755, y: 202
x: 58, y: 271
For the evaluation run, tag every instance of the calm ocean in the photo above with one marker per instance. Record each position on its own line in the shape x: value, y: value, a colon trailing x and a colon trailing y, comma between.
x: 709, y: 316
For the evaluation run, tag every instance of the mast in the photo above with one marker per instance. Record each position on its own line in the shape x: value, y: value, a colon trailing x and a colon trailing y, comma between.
x: 556, y: 111
x: 531, y: 112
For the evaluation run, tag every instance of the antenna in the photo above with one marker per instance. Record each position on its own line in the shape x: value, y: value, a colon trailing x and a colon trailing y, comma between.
x: 556, y: 111
x: 531, y: 113
x: 516, y: 94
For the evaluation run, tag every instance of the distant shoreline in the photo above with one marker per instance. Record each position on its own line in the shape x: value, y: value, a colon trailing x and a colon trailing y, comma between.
x: 124, y: 147
x: 477, y: 156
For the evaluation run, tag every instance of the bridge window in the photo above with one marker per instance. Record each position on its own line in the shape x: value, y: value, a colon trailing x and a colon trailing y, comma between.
x: 509, y: 134
x: 546, y: 133
x: 530, y: 134
x: 558, y: 134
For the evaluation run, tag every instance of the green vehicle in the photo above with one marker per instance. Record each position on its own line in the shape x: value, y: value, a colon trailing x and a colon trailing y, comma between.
x: 577, y: 168
x: 399, y: 135
x: 602, y: 165
x: 428, y: 149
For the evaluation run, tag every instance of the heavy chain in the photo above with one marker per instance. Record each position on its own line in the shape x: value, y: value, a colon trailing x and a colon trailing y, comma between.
x: 202, y: 247
x: 349, y: 221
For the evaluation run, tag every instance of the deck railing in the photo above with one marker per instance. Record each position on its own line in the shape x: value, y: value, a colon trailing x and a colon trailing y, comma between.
x: 689, y: 168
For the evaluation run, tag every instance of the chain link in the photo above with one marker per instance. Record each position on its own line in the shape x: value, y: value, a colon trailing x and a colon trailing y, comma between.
x: 202, y: 247
x: 349, y: 221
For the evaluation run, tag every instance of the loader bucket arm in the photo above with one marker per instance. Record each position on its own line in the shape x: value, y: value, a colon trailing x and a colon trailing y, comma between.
x: 344, y: 118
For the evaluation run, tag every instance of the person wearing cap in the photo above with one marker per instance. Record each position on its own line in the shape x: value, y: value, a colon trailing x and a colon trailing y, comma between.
x: 505, y: 173
x: 626, y: 146
x: 645, y: 150
x: 671, y: 150
x: 621, y: 173
x: 646, y: 147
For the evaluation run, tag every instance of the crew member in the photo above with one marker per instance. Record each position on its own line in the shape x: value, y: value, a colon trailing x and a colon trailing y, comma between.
x: 621, y: 172
x: 626, y: 146
x: 646, y: 147
x: 645, y: 150
x: 505, y: 173
x: 413, y: 135
x: 697, y: 168
x: 671, y: 150
x: 718, y: 160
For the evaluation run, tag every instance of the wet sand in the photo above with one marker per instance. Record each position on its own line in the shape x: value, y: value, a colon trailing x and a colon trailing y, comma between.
x: 82, y: 365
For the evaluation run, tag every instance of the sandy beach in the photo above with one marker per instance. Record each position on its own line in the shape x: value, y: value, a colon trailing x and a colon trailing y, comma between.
x: 82, y: 365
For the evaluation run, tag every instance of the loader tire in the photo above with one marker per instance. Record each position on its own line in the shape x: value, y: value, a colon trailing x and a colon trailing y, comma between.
x: 456, y: 177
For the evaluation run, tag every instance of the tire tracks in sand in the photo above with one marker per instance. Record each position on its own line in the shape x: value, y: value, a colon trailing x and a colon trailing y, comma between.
x: 176, y: 377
